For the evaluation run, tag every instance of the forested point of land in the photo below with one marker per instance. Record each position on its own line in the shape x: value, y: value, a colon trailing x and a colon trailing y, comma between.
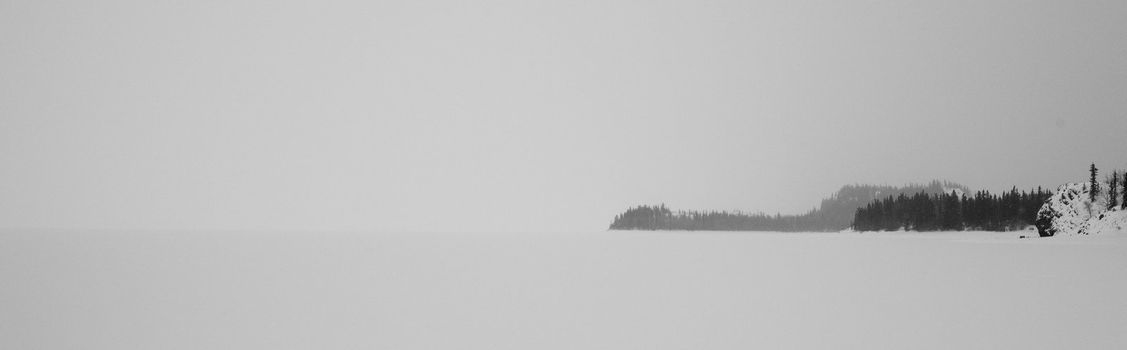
x: 935, y: 206
x: 983, y: 211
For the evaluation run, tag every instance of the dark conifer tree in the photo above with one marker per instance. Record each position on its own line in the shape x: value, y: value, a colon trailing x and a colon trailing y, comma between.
x: 1123, y: 188
x: 1094, y: 187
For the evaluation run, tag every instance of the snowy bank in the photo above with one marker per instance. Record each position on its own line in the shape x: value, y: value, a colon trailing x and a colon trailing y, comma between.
x: 1071, y: 212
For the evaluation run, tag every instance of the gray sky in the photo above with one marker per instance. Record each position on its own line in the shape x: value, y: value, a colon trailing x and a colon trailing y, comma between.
x: 532, y: 115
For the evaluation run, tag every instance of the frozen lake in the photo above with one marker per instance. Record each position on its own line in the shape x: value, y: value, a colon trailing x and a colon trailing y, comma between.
x: 602, y: 290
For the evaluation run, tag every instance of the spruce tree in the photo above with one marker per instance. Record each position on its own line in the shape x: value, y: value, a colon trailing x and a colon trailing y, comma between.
x: 1094, y: 187
x: 1123, y: 188
x: 1113, y: 191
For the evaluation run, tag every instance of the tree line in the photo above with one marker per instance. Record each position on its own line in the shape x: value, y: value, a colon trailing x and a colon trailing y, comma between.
x: 645, y: 217
x: 835, y: 213
x: 937, y: 206
x: 983, y: 211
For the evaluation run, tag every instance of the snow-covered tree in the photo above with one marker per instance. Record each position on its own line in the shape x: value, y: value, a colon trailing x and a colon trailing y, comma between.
x: 1113, y: 191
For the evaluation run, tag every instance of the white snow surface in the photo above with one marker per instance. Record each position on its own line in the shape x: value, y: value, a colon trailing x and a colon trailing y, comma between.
x: 1112, y: 222
x: 600, y: 290
x: 1076, y: 214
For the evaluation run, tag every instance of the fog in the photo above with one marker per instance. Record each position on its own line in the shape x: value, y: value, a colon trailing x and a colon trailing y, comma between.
x: 545, y: 116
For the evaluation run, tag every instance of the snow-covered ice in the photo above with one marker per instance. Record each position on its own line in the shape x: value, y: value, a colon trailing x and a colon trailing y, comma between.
x: 602, y: 290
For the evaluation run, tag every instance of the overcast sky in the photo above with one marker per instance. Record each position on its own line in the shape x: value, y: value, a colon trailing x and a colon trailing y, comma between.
x: 535, y: 115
